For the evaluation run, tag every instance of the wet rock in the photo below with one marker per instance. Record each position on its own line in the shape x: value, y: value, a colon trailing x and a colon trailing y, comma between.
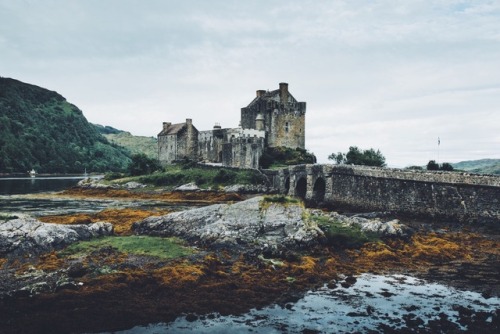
x: 391, y: 228
x: 188, y: 187
x: 93, y: 183
x: 134, y: 185
x: 248, y: 189
x: 29, y: 235
x: 248, y: 224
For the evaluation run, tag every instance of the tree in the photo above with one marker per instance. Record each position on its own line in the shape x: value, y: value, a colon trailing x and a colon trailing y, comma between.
x: 141, y: 165
x: 285, y: 156
x: 355, y: 156
x: 432, y: 165
x: 447, y: 167
x: 339, y: 158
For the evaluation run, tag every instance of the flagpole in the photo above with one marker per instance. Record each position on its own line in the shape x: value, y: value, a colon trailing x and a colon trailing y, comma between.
x: 439, y: 143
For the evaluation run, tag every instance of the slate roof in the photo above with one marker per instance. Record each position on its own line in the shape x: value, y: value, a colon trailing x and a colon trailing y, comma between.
x: 172, y: 129
x: 270, y: 95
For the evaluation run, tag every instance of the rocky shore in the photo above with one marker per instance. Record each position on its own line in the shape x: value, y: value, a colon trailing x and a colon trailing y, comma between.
x: 103, y: 272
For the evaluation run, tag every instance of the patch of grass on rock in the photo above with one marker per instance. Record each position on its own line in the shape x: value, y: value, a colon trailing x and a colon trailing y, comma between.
x: 341, y: 235
x: 164, y: 248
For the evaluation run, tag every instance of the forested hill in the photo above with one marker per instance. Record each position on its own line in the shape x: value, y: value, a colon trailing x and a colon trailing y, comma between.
x: 39, y: 129
x: 483, y: 166
x: 135, y: 144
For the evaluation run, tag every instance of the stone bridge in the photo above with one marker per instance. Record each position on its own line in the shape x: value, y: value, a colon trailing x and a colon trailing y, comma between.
x: 442, y: 195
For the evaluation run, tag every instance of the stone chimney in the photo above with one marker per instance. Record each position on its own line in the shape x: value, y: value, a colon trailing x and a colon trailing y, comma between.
x: 189, y: 121
x: 166, y: 125
x: 283, y: 92
x: 260, y: 92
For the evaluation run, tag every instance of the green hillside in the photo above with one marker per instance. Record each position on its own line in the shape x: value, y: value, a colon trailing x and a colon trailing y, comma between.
x: 39, y: 129
x: 135, y: 144
x: 483, y: 166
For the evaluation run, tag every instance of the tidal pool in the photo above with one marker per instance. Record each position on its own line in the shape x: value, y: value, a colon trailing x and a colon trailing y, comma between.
x: 370, y: 304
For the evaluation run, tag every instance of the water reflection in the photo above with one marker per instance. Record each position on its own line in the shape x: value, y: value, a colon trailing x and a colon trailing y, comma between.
x: 39, y: 206
x: 397, y: 301
x: 27, y: 185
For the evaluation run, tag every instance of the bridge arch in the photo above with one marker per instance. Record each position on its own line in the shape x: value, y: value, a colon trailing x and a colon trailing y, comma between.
x: 319, y: 189
x: 301, y: 187
x: 287, y: 185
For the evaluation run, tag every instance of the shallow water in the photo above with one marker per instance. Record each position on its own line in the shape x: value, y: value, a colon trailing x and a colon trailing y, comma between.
x: 398, y: 301
x: 43, y: 205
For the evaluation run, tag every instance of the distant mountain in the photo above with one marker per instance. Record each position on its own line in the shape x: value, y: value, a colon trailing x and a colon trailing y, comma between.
x: 135, y: 144
x: 483, y: 166
x: 39, y: 129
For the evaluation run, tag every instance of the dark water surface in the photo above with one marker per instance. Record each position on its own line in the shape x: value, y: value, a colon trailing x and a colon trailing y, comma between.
x: 33, y: 196
x: 31, y: 185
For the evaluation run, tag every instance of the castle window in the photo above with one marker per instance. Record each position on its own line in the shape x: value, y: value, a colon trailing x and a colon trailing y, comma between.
x: 286, y: 127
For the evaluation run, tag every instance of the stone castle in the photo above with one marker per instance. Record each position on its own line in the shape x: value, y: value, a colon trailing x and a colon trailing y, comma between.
x: 273, y: 118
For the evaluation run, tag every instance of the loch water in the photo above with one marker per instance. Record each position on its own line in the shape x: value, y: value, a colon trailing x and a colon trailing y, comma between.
x: 33, y: 196
x: 39, y: 184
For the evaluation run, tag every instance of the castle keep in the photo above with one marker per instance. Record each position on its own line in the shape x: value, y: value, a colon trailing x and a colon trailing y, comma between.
x: 273, y: 118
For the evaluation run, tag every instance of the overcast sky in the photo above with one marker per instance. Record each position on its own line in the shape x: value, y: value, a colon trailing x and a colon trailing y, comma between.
x: 389, y: 75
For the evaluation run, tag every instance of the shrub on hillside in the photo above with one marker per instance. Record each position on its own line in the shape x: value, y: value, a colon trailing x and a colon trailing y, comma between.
x: 284, y: 156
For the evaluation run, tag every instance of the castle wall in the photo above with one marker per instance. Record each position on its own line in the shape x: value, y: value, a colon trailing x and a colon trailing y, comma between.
x: 210, y: 145
x: 167, y: 148
x: 458, y: 197
x: 181, y: 144
x: 243, y: 152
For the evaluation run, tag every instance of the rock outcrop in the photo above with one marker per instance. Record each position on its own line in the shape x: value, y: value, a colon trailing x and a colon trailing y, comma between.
x: 383, y: 228
x: 249, y: 189
x: 253, y: 223
x: 31, y: 236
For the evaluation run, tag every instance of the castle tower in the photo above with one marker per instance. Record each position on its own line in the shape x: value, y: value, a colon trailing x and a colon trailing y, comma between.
x: 283, y: 117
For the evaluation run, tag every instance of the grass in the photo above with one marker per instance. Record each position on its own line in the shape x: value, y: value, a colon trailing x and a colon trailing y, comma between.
x: 176, y: 175
x: 267, y: 201
x: 165, y: 248
x: 340, y: 235
x: 280, y: 199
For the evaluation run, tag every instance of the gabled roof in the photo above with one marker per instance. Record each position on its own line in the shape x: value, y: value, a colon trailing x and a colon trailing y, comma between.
x: 172, y: 129
x: 270, y: 95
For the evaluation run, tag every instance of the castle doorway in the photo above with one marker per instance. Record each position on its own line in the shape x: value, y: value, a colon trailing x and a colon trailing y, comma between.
x: 301, y: 188
x: 287, y: 185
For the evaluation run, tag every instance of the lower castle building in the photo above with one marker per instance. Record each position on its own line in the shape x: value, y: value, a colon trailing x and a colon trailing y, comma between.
x: 272, y: 119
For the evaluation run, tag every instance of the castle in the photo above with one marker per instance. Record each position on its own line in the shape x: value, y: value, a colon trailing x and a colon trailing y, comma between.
x: 273, y: 118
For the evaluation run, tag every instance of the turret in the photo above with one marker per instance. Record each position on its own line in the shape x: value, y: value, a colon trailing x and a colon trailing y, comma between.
x: 259, y: 122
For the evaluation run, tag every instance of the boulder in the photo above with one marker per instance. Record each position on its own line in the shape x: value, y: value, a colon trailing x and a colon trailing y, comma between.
x: 249, y: 224
x: 134, y: 185
x: 391, y: 228
x: 93, y: 183
x: 188, y: 187
x: 31, y: 236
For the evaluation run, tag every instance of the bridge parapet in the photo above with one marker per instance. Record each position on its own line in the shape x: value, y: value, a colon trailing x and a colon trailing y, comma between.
x: 445, y: 195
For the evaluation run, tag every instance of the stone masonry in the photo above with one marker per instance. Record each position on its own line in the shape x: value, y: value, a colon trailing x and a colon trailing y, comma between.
x: 273, y: 118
